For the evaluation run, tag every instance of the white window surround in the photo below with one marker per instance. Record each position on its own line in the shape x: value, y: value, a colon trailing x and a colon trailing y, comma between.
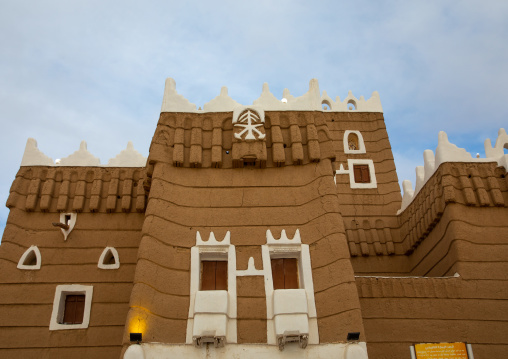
x: 71, y: 223
x: 114, y: 252
x: 289, y: 248
x: 361, y: 144
x: 37, y: 265
x: 59, y: 306
x: 213, y: 250
x: 350, y: 171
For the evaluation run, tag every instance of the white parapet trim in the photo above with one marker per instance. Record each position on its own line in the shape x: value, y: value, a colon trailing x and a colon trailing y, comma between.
x: 247, y: 351
x: 448, y: 152
x: 128, y: 158
x: 82, y: 157
x: 33, y: 156
x: 312, y: 100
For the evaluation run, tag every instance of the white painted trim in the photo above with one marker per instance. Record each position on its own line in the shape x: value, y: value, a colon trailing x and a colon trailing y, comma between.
x: 114, y: 252
x: 59, y: 306
x: 312, y: 100
x: 412, y: 351
x: 356, y: 161
x: 37, y: 253
x: 213, y: 250
x: 71, y: 223
x: 243, y: 351
x: 289, y: 248
x: 361, y: 144
x: 251, y: 270
x: 469, y: 351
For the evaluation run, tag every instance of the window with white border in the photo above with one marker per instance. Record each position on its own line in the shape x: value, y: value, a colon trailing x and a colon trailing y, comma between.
x: 353, y: 184
x: 31, y: 259
x: 360, y: 146
x: 285, y: 247
x: 203, y: 312
x: 61, y: 293
x: 109, y: 259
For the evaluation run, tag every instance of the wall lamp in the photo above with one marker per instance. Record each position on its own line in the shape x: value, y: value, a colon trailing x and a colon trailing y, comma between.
x: 136, y: 337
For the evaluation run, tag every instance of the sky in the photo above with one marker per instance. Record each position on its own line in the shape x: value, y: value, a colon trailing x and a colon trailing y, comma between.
x: 95, y: 70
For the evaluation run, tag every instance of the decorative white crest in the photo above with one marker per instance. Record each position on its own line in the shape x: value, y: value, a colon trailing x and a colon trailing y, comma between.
x: 173, y: 101
x: 501, y: 143
x: 448, y: 152
x: 81, y: 157
x: 312, y: 100
x: 212, y: 241
x: 249, y: 120
x: 33, y: 156
x: 128, y: 158
x: 283, y: 240
x: 221, y: 103
x: 251, y: 270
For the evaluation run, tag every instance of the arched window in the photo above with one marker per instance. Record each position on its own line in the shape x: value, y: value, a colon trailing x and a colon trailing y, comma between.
x: 353, y: 142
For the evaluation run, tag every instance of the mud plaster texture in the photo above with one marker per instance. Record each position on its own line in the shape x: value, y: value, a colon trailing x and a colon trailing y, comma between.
x: 199, y: 177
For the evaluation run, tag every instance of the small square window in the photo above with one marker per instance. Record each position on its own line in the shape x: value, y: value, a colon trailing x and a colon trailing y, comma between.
x: 214, y: 275
x: 71, y: 307
x: 362, y: 173
x: 285, y: 273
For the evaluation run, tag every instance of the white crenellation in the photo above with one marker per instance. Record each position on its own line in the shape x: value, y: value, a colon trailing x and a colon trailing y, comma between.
x: 173, y: 101
x: 448, y: 152
x: 312, y: 100
x: 221, y: 103
x: 128, y: 158
x: 33, y: 156
x: 283, y: 240
x: 82, y: 157
x: 501, y: 144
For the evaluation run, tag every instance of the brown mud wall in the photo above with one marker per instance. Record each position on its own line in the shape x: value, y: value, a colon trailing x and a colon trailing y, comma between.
x: 26, y: 296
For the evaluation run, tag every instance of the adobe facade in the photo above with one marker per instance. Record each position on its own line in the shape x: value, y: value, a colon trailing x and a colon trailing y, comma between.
x: 296, y: 207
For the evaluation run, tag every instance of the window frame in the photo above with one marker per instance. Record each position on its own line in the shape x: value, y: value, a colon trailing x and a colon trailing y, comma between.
x: 38, y: 259
x: 372, y: 172
x: 114, y: 252
x: 361, y: 144
x: 61, y: 293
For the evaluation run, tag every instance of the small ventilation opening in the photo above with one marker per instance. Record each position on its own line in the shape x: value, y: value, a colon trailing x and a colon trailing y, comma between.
x: 31, y: 259
x: 351, y: 105
x: 67, y: 219
x: 109, y: 258
x: 325, y: 105
x: 249, y: 162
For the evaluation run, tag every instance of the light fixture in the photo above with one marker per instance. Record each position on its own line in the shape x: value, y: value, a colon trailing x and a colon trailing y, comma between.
x: 136, y: 337
x: 353, y: 336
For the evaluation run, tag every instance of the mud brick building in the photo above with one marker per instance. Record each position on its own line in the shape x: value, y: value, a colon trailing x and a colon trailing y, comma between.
x: 271, y: 230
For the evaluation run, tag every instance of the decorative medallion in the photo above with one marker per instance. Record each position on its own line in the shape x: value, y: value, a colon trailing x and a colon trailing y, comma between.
x: 249, y: 121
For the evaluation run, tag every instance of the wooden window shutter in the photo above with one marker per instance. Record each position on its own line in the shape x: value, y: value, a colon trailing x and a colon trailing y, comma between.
x: 221, y: 276
x: 361, y: 173
x: 285, y: 273
x: 278, y: 273
x: 290, y: 273
x: 214, y: 275
x: 74, y: 309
